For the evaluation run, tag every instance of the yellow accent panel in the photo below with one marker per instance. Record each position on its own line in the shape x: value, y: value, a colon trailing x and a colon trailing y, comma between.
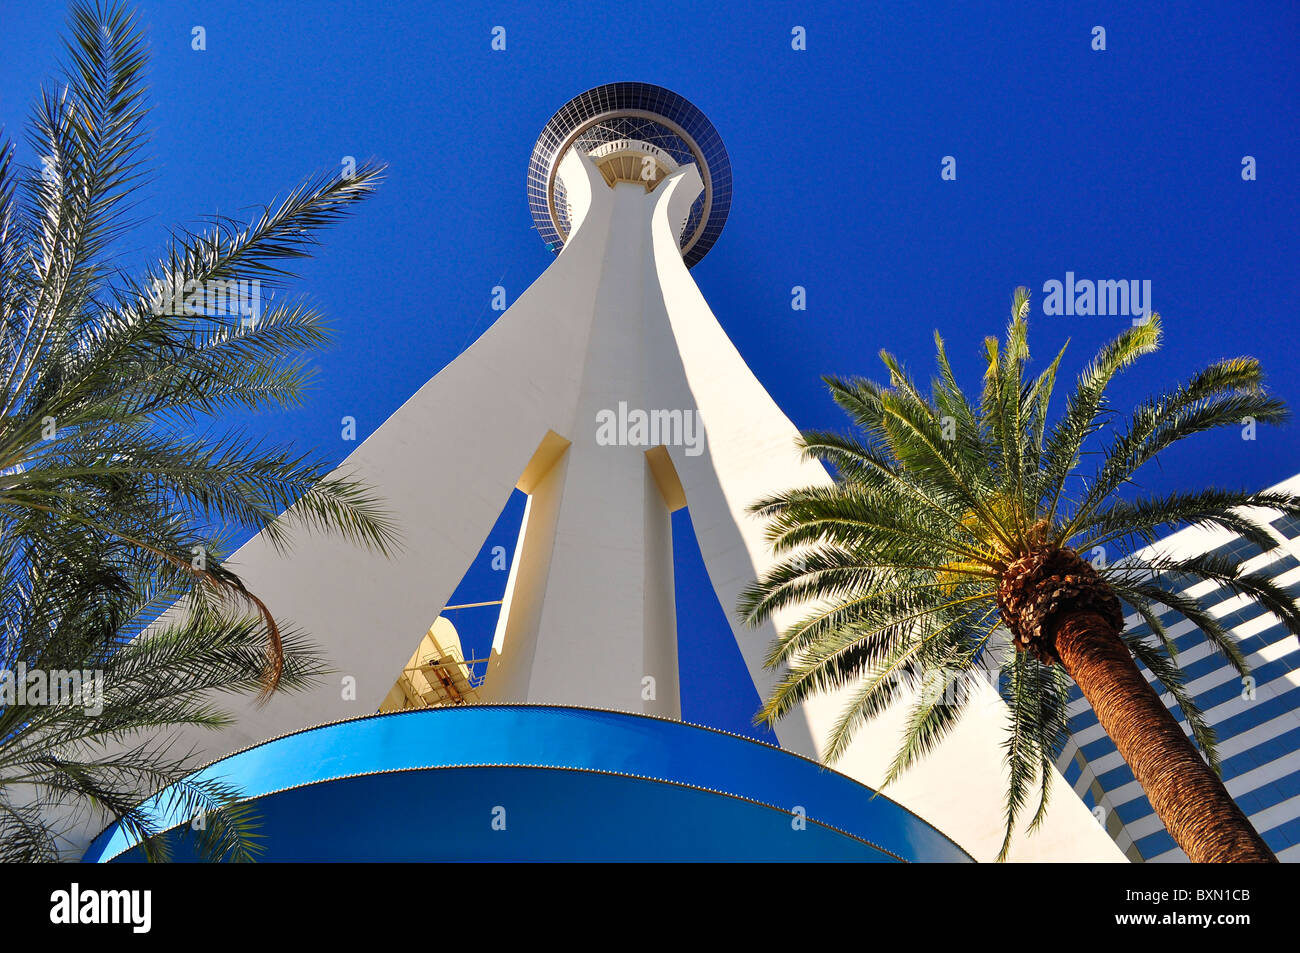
x: 665, y: 474
x: 544, y: 457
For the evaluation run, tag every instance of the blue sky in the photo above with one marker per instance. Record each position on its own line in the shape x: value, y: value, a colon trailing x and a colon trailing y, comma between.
x: 1120, y: 164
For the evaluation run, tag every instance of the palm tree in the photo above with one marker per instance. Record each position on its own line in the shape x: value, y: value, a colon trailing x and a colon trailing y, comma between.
x: 117, y: 499
x: 83, y: 741
x: 954, y: 524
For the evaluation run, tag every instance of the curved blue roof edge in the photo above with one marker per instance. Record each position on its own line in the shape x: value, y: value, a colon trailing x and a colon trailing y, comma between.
x: 630, y: 94
x: 648, y: 749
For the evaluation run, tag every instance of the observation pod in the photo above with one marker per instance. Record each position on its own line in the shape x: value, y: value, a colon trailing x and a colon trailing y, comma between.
x: 638, y: 133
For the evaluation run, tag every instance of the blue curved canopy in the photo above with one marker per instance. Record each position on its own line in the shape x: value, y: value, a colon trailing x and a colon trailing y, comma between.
x: 488, y: 782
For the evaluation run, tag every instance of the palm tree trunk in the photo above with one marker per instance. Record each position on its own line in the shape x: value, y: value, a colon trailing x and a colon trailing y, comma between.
x: 1186, y: 794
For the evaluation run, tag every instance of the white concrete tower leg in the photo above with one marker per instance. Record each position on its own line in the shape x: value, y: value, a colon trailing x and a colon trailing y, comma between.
x: 749, y: 444
x: 603, y: 631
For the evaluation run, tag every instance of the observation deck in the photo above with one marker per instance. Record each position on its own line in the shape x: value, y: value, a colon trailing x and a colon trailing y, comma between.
x: 634, y: 132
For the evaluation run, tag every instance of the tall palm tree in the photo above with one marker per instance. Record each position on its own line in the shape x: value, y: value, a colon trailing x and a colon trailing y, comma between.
x: 955, y: 524
x: 117, y: 497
